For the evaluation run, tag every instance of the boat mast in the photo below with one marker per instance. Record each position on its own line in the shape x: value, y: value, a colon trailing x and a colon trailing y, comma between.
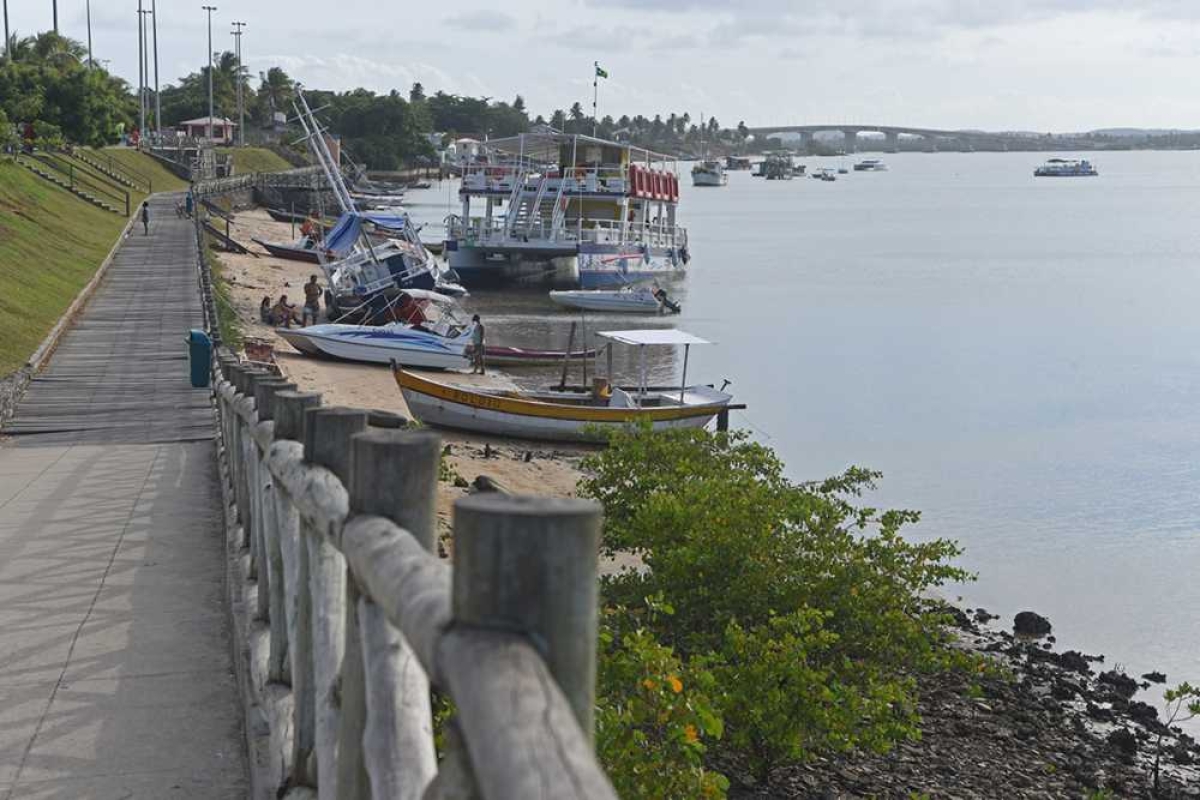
x: 320, y: 149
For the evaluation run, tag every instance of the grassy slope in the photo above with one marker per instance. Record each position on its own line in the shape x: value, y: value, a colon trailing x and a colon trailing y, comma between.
x: 51, y: 243
x: 162, y: 178
x: 255, y: 159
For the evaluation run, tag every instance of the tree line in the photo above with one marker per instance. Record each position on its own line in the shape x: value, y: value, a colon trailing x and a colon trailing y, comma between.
x: 45, y: 83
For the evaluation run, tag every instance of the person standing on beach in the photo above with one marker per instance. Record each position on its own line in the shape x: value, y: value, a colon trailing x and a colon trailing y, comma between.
x: 312, y: 302
x: 146, y: 218
x: 477, y: 339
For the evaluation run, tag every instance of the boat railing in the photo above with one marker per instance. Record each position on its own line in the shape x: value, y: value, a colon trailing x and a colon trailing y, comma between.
x: 346, y: 617
x: 479, y: 231
x: 579, y: 180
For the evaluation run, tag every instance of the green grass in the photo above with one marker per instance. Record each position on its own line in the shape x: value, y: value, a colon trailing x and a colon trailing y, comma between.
x: 51, y: 243
x: 254, y: 159
x: 163, y: 179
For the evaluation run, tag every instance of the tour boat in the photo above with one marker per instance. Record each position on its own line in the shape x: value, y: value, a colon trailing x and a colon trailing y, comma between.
x: 779, y: 167
x: 709, y: 173
x: 566, y: 208
x: 631, y: 300
x: 1066, y: 168
x: 870, y: 165
x: 568, y: 415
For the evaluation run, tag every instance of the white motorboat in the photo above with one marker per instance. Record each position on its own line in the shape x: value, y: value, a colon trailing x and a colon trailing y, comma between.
x: 709, y: 173
x: 630, y: 300
x: 870, y: 165
x: 404, y: 344
x: 824, y: 174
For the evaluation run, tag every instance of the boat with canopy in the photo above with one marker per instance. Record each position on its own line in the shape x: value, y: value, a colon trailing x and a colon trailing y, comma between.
x: 567, y: 415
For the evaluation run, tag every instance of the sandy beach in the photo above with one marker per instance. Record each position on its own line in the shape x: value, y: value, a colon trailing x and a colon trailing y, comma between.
x: 522, y: 467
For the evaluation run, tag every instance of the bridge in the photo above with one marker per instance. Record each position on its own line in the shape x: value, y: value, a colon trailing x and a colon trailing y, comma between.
x: 933, y: 137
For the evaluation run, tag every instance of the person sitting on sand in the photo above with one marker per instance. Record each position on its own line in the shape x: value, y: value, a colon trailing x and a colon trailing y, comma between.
x: 264, y: 310
x: 284, y: 313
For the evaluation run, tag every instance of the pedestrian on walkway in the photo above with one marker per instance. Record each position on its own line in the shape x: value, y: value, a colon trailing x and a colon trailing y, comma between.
x: 146, y: 217
x: 188, y: 204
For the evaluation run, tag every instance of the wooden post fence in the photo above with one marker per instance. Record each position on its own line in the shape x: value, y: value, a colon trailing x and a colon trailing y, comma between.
x: 349, y: 618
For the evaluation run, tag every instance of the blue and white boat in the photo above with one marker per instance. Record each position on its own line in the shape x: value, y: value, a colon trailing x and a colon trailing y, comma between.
x: 1066, y: 168
x: 569, y: 209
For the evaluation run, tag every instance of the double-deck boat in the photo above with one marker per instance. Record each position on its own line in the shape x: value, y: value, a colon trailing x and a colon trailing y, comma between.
x: 1066, y: 168
x: 566, y: 208
x: 709, y: 173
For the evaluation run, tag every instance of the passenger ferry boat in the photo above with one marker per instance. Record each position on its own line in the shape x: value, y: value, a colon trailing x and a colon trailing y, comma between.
x: 1065, y: 168
x: 569, y: 209
x: 709, y: 173
x: 870, y: 165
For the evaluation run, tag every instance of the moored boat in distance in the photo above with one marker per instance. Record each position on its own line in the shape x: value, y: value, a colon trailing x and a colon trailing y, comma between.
x: 736, y: 163
x: 1066, y: 168
x: 568, y: 415
x: 709, y: 173
x: 824, y: 174
x: 870, y: 165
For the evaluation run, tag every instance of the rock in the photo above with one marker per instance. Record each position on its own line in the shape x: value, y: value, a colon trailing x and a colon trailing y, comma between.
x: 1029, y: 623
x: 1155, y: 677
x: 1123, y: 741
x: 1141, y: 712
x: 1074, y: 661
x: 486, y: 483
x: 1120, y: 683
x: 1097, y: 712
x: 460, y: 482
x: 528, y: 456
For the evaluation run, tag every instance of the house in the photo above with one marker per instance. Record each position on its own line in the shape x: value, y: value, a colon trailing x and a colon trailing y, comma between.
x: 222, y: 129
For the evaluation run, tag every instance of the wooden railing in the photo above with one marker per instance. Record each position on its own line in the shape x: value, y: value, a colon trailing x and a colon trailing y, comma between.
x: 356, y: 617
x: 300, y: 178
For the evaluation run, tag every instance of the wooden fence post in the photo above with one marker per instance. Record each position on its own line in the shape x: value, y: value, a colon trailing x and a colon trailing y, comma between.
x: 270, y: 602
x: 252, y: 522
x: 528, y: 564
x: 386, y: 711
x: 289, y: 413
x: 327, y: 433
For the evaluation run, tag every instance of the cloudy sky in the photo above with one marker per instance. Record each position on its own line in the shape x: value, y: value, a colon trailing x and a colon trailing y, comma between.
x: 1060, y: 65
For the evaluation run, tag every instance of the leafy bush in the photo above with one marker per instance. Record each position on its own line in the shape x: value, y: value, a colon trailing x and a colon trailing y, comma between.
x: 806, y: 608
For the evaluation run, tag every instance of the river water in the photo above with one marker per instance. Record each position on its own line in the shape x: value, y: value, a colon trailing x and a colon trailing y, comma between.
x: 1019, y: 356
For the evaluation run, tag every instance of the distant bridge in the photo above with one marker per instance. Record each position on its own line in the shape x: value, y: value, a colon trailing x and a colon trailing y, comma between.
x: 961, y: 139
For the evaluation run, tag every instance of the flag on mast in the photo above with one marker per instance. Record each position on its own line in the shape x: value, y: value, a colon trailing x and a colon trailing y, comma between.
x: 600, y: 71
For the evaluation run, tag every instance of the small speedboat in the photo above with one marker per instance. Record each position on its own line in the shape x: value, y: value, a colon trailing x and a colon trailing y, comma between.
x: 304, y: 249
x: 410, y: 345
x: 568, y: 415
x: 629, y: 300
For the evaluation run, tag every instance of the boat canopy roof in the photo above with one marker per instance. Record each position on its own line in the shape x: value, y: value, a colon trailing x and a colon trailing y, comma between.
x: 346, y: 232
x: 653, y: 336
x: 544, y: 145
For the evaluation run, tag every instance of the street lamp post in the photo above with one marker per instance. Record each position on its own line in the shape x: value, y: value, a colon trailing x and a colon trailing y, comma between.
x: 210, y: 9
x: 56, y: 17
x: 7, y: 37
x: 237, y: 38
x: 157, y: 102
x: 141, y: 74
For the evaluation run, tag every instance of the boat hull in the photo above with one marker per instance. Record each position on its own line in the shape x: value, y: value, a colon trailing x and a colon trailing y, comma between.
x: 614, y: 266
x: 377, y: 345
x: 708, y: 179
x: 290, y: 253
x: 445, y: 406
x: 617, y: 302
x: 501, y: 356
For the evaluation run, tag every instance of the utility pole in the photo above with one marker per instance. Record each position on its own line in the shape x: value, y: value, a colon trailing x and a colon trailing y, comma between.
x: 210, y: 9
x: 55, y: 17
x: 91, y: 63
x: 157, y: 102
x: 141, y: 74
x: 7, y: 36
x: 237, y: 38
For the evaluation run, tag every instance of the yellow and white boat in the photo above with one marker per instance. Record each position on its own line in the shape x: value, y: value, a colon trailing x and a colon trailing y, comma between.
x: 567, y: 415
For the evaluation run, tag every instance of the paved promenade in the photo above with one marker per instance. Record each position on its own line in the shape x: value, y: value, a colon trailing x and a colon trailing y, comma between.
x: 116, y: 677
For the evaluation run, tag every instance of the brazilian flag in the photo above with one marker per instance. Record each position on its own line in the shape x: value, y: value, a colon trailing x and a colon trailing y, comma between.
x: 600, y: 72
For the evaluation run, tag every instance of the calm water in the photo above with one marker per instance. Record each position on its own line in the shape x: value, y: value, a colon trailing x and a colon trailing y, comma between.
x: 1020, y: 357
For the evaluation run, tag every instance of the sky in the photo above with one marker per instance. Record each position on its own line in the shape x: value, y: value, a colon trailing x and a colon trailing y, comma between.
x: 1039, y: 65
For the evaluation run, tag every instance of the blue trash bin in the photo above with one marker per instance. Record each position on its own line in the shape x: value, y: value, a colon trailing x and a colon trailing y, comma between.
x: 200, y: 357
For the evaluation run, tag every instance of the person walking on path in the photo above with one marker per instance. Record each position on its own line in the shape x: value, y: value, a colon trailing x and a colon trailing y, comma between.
x: 312, y: 301
x: 477, y: 339
x: 146, y: 218
x: 188, y: 204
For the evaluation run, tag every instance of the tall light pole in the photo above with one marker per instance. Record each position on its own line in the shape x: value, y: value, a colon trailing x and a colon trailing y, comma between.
x: 210, y: 9
x: 56, y: 17
x: 91, y: 63
x: 141, y: 74
x: 237, y: 39
x: 7, y: 36
x: 157, y: 102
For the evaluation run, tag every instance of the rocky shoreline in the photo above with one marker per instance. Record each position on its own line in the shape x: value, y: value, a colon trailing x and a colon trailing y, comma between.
x: 1062, y: 726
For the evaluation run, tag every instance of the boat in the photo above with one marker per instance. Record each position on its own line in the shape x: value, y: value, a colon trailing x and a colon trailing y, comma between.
x: 293, y: 216
x: 630, y: 300
x: 396, y: 342
x: 1066, y: 168
x: 870, y: 165
x: 824, y: 174
x: 569, y: 415
x: 843, y: 171
x: 736, y: 163
x: 303, y: 249
x: 779, y: 167
x: 501, y: 356
x: 421, y: 185
x: 709, y: 173
x: 548, y: 206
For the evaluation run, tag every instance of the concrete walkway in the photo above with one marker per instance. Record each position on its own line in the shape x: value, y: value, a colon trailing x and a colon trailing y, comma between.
x: 116, y: 676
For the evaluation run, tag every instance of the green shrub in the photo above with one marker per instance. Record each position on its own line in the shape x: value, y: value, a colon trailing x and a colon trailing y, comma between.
x: 807, y: 609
